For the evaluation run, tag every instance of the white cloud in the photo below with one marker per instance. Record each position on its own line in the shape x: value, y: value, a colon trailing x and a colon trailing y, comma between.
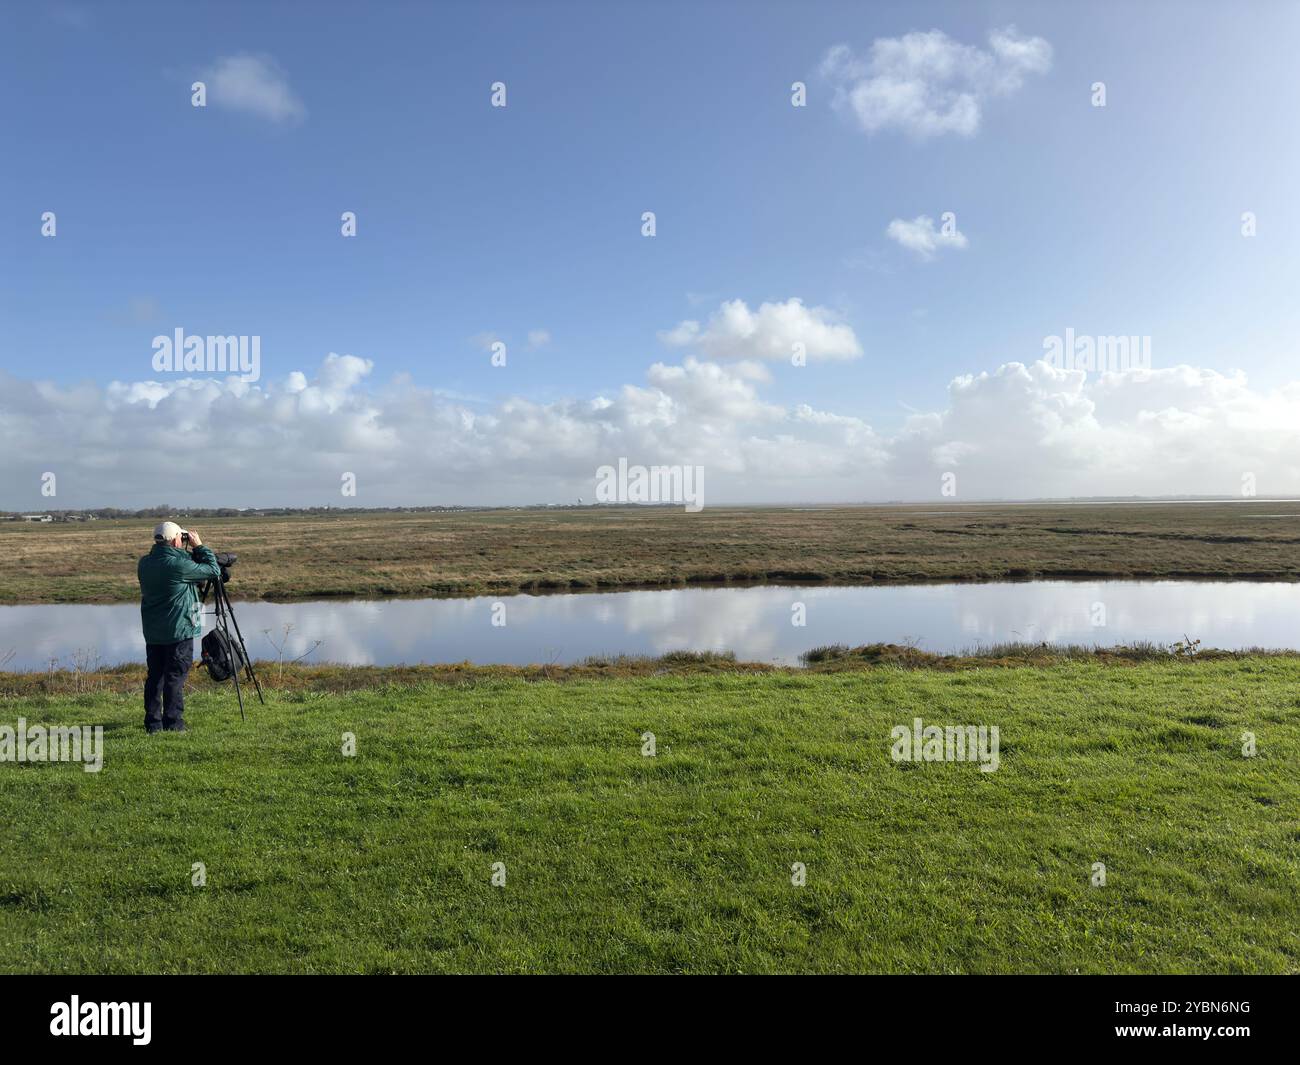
x: 256, y: 85
x: 927, y: 84
x: 1035, y: 431
x: 538, y: 338
x: 735, y: 332
x: 1020, y: 431
x: 920, y: 236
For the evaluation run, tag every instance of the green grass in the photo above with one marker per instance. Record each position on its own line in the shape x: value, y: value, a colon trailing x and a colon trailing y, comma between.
x: 622, y: 863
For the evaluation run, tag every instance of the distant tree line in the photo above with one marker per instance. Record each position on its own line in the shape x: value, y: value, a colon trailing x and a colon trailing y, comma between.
x: 165, y: 511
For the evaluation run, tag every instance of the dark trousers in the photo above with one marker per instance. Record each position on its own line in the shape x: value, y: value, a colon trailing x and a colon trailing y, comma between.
x: 164, y: 689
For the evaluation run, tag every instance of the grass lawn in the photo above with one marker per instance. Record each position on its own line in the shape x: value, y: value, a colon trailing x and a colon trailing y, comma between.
x: 617, y: 862
x: 477, y: 552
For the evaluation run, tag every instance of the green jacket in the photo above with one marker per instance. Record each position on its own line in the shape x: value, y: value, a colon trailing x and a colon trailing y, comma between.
x: 169, y: 596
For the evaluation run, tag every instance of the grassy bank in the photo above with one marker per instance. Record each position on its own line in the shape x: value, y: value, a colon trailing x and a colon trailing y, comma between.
x: 616, y: 862
x: 836, y: 658
x: 589, y: 548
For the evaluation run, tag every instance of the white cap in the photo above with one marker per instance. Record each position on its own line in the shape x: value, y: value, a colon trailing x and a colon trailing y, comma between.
x: 167, y: 531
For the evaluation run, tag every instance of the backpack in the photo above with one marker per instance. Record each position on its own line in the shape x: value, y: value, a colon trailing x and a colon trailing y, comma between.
x: 221, y: 657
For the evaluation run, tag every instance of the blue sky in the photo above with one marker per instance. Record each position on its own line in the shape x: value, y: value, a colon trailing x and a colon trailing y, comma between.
x: 479, y: 221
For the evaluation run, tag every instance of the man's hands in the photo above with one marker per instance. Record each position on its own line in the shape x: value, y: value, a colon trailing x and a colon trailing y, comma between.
x: 195, y: 539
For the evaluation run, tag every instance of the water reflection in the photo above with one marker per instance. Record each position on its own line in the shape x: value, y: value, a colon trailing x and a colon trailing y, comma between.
x: 755, y: 623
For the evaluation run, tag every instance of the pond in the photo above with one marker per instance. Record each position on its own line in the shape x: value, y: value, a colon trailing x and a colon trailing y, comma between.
x: 756, y: 623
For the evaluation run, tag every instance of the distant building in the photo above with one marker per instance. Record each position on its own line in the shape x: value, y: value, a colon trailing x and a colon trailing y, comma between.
x: 37, y: 517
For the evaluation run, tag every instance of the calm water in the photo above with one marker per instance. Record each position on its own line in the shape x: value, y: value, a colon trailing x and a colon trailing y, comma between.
x: 755, y: 623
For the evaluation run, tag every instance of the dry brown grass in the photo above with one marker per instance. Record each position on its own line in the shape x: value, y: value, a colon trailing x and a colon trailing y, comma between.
x: 465, y: 553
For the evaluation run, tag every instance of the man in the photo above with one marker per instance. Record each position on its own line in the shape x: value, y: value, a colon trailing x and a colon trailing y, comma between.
x: 172, y: 616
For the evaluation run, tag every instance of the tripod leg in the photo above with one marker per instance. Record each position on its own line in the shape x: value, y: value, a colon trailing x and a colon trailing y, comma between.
x: 223, y: 623
x: 240, y: 696
x: 256, y: 683
x: 248, y: 662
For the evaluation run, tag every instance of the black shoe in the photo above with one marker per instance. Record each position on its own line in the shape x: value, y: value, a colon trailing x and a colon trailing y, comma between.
x: 150, y: 731
x: 177, y: 728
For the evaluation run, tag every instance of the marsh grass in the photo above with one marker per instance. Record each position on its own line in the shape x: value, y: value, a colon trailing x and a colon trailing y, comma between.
x: 833, y: 658
x: 590, y: 549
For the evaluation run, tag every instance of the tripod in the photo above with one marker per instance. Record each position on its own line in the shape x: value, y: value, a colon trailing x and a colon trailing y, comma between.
x: 223, y: 614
